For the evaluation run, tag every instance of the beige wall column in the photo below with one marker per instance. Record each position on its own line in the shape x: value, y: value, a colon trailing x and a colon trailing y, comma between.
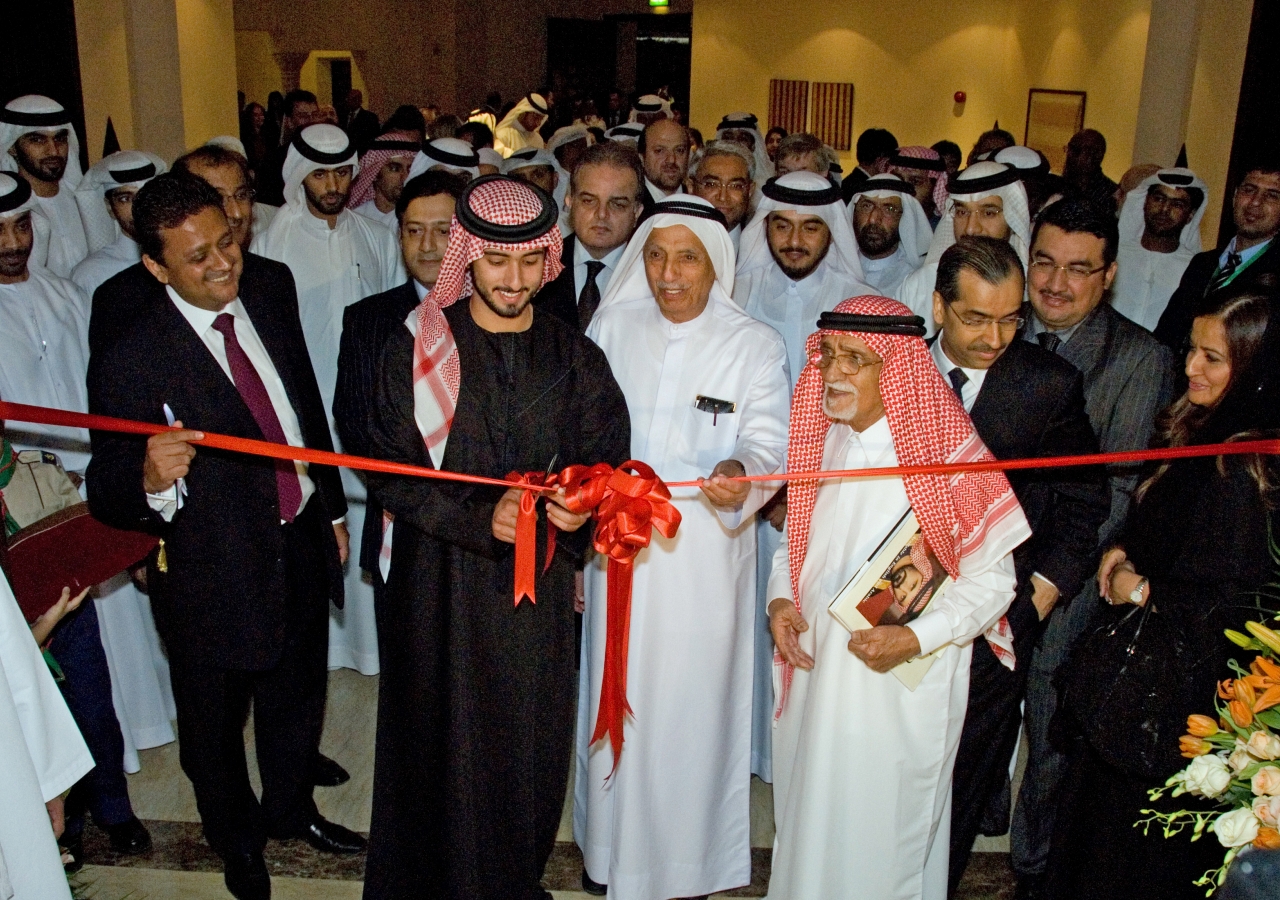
x: 1168, y: 76
x: 155, y: 76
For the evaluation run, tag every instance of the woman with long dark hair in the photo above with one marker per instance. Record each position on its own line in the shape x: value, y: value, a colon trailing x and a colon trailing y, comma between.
x: 1188, y: 565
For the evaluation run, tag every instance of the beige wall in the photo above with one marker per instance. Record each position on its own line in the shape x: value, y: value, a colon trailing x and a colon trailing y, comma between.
x: 207, y: 55
x: 104, y: 72
x: 257, y: 72
x: 906, y: 61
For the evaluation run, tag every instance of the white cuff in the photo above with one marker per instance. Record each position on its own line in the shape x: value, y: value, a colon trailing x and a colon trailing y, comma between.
x: 167, y: 503
x: 932, y: 631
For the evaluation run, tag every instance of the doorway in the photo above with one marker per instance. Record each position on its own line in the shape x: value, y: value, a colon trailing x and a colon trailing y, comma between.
x: 39, y: 55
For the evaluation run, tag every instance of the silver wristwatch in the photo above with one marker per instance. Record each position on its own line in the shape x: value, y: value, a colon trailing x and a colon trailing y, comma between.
x: 1135, y: 596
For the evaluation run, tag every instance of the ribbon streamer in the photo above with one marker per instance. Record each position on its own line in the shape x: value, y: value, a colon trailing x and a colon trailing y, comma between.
x: 527, y: 532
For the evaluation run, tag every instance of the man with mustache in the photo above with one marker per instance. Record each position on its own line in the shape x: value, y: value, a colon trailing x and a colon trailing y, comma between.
x: 1024, y: 402
x: 664, y: 147
x: 38, y: 143
x: 892, y: 229
x: 724, y: 174
x: 706, y: 388
x: 337, y: 257
x: 476, y: 696
x: 425, y: 210
x: 253, y: 548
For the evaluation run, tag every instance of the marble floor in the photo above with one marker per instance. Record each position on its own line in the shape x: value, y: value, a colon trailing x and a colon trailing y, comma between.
x: 182, y: 866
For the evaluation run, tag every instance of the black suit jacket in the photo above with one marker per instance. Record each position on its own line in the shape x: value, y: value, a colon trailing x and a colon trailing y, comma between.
x: 223, y: 598
x: 366, y: 326
x: 853, y: 183
x: 559, y: 297
x: 363, y: 127
x: 1175, y: 323
x: 1032, y: 404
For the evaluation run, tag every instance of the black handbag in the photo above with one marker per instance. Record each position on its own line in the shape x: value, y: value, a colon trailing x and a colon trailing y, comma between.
x: 1126, y: 688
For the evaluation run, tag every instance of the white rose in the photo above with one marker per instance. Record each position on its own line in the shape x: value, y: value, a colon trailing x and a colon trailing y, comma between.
x: 1264, y: 745
x: 1207, y: 776
x: 1267, y: 809
x: 1236, y: 828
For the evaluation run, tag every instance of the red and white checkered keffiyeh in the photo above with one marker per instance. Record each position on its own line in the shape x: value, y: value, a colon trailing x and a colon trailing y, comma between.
x: 939, y: 178
x: 958, y: 513
x: 437, y: 373
x: 374, y: 159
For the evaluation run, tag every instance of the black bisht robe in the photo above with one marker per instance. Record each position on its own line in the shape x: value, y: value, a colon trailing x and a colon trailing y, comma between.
x: 477, y: 696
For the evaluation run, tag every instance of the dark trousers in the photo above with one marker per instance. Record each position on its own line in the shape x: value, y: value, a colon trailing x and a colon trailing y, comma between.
x: 990, y: 734
x: 104, y: 792
x: 288, y: 706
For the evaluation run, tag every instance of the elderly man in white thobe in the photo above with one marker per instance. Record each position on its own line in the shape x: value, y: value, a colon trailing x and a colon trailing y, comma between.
x: 986, y: 198
x: 797, y: 259
x: 707, y: 391
x: 41, y: 755
x: 892, y: 229
x: 863, y: 764
x: 38, y: 142
x: 1159, y: 233
x: 106, y: 206
x: 337, y: 258
x: 519, y: 127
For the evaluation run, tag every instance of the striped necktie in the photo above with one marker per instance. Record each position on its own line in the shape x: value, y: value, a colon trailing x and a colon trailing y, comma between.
x: 1225, y: 273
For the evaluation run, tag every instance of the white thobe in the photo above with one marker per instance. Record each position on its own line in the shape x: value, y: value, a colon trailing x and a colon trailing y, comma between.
x: 514, y: 138
x: 886, y: 275
x: 68, y: 244
x: 916, y: 292
x: 41, y: 755
x: 369, y: 209
x: 44, y: 358
x: 100, y: 265
x: 862, y: 766
x: 334, y: 268
x: 674, y: 819
x: 1145, y: 281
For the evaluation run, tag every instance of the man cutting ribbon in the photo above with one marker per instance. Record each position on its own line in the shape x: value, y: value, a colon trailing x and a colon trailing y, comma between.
x: 477, y: 693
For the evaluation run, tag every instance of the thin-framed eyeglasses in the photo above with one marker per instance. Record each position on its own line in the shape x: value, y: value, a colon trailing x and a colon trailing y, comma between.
x: 244, y: 195
x: 715, y: 185
x: 1008, y: 323
x: 848, y: 363
x: 1075, y: 272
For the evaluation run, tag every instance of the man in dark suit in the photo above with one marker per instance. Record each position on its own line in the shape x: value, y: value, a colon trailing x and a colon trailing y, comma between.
x: 874, y: 149
x: 424, y: 211
x: 252, y: 548
x: 359, y: 123
x: 1248, y: 257
x: 604, y: 202
x: 1128, y: 379
x: 1025, y: 402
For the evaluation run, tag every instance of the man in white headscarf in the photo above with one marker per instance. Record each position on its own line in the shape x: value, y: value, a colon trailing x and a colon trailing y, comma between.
x: 384, y: 168
x: 540, y: 168
x: 650, y: 108
x: 706, y: 388
x: 519, y: 128
x: 446, y: 155
x: 986, y: 198
x: 38, y: 142
x: 106, y: 205
x: 626, y: 133
x: 797, y: 261
x: 490, y: 161
x: 744, y: 128
x: 337, y: 258
x: 1159, y: 233
x: 892, y: 229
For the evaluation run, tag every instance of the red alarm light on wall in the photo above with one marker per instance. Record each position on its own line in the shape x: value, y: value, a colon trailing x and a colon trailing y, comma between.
x: 960, y: 96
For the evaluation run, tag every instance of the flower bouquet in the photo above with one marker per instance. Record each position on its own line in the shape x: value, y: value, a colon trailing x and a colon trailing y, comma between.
x: 1235, y: 760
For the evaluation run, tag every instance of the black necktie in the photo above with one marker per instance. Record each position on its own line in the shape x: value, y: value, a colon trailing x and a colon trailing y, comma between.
x: 1225, y: 272
x: 589, y: 298
x: 1049, y: 341
x: 958, y: 381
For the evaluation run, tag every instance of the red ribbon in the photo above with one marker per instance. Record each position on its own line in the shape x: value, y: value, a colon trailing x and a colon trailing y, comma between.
x: 527, y: 532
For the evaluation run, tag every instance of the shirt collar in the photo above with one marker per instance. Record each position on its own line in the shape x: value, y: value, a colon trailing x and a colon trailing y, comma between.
x: 201, y: 320
x: 945, y: 364
x: 1065, y: 335
x: 581, y: 256
x: 1245, y: 255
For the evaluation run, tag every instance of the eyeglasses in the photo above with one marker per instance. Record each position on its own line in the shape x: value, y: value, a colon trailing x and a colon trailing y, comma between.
x: 1045, y: 268
x: 715, y: 185
x: 1008, y: 323
x: 889, y: 211
x: 244, y: 195
x: 848, y: 363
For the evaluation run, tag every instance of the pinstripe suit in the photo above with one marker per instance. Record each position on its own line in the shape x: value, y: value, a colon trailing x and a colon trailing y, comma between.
x: 1128, y: 379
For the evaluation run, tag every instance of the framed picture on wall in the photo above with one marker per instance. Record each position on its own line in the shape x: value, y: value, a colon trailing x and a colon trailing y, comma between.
x: 1052, y: 118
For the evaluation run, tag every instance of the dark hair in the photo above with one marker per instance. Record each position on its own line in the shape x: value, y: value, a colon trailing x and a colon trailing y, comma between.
x: 406, y: 118
x: 999, y: 133
x: 429, y: 184
x: 1075, y: 215
x: 477, y: 134
x: 776, y: 129
x: 167, y: 201
x: 873, y: 144
x: 991, y: 259
x: 1265, y: 161
x: 212, y: 156
x: 948, y: 148
x: 293, y: 98
x: 445, y: 126
x: 611, y: 153
x: 640, y: 141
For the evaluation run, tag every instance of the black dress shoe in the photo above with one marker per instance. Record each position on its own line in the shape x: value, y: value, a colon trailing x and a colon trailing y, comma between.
x: 73, y: 847
x: 330, y: 837
x: 327, y: 773
x: 246, y: 876
x: 129, y: 838
x: 594, y: 888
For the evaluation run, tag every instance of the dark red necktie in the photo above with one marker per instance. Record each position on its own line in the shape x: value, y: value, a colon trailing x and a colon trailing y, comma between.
x: 254, y: 393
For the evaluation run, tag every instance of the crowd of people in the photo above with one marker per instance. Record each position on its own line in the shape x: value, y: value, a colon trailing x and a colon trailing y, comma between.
x: 534, y: 286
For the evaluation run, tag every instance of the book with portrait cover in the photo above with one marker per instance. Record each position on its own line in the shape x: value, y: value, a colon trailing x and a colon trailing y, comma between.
x: 893, y: 587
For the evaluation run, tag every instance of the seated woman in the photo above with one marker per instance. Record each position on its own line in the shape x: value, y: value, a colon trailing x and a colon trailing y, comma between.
x: 1194, y: 550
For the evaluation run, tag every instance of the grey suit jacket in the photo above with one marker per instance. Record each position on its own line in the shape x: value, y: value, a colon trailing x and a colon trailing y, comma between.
x: 1128, y: 380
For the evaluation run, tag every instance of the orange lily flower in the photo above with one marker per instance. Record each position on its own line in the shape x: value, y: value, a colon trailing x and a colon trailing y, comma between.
x: 1192, y: 746
x: 1268, y: 839
x: 1201, y: 726
x: 1265, y: 681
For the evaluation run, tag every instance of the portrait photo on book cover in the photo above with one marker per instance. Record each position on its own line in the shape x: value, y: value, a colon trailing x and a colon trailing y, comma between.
x: 905, y: 588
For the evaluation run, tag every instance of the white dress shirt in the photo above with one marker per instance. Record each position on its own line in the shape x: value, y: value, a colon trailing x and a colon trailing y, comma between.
x: 580, y: 259
x: 969, y: 392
